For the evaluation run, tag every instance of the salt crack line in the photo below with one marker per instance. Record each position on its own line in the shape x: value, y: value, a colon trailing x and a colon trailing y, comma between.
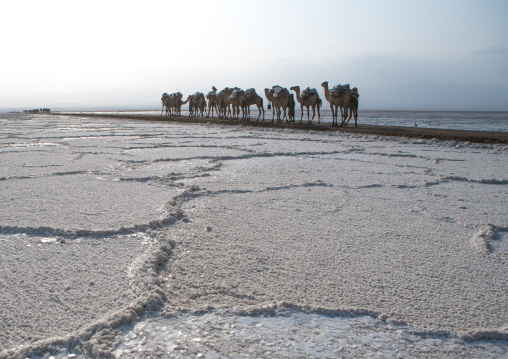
x: 482, y: 181
x: 240, y: 157
x: 275, y: 188
x: 172, y: 208
x: 89, y: 341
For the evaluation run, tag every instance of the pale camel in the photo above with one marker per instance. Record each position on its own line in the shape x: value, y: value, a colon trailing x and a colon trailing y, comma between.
x: 279, y: 96
x: 309, y: 99
x: 212, y: 101
x: 254, y: 99
x: 341, y: 101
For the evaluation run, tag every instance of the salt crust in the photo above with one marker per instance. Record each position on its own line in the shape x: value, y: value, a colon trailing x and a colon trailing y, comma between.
x: 169, y: 252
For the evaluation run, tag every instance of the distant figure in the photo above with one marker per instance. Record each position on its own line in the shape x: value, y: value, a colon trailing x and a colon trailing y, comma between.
x: 292, y: 108
x: 416, y: 125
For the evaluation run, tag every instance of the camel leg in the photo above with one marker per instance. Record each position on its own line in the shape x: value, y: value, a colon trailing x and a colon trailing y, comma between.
x: 313, y: 113
x: 318, y: 115
x: 349, y: 118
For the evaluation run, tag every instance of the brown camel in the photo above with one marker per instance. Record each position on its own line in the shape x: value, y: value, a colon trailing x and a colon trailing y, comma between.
x: 341, y: 99
x: 165, y: 103
x: 177, y: 102
x: 224, y: 102
x: 238, y: 101
x: 212, y: 101
x: 269, y: 97
x: 353, y: 106
x: 254, y: 99
x: 343, y: 92
x: 280, y: 98
x: 308, y: 98
x: 199, y: 103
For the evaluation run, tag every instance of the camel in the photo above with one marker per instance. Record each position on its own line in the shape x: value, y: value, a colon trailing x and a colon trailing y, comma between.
x: 199, y: 103
x: 254, y: 99
x: 271, y: 100
x: 341, y: 99
x: 224, y: 102
x: 279, y: 96
x: 291, y: 112
x: 212, y: 101
x: 165, y: 103
x: 191, y: 105
x: 353, y: 106
x: 238, y: 101
x: 308, y: 98
x: 176, y: 102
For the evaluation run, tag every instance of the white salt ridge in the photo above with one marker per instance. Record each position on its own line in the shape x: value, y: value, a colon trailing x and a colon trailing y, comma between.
x: 384, y: 225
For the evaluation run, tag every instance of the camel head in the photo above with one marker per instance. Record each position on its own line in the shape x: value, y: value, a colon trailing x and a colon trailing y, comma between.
x: 325, y: 84
x: 295, y: 88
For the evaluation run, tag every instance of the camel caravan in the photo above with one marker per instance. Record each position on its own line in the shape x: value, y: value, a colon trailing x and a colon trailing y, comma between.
x: 228, y: 103
x: 38, y: 110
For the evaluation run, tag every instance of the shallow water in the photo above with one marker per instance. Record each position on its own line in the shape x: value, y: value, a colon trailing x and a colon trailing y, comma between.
x: 458, y: 120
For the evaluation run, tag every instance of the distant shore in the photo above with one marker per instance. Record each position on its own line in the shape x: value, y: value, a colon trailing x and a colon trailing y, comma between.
x: 411, y: 132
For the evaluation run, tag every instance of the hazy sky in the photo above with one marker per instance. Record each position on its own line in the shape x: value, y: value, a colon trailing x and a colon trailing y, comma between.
x: 143, y: 48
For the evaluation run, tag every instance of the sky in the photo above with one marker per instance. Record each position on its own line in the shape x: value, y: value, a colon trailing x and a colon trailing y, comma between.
x: 418, y: 55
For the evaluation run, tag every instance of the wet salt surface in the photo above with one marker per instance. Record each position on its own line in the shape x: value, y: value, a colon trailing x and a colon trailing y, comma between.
x: 286, y: 334
x: 454, y: 120
x: 152, y: 240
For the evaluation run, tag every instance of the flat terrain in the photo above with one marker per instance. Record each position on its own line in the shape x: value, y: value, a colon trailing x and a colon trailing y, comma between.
x: 413, y: 132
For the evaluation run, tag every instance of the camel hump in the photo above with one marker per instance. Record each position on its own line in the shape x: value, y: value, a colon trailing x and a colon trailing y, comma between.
x: 250, y: 93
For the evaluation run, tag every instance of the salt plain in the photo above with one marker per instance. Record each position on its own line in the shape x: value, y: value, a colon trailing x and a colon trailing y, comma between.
x: 146, y: 239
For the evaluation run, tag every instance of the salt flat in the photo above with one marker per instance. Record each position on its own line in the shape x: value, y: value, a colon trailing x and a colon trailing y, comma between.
x: 309, y: 244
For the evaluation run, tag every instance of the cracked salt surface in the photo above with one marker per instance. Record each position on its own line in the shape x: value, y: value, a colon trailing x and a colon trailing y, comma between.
x: 141, y: 239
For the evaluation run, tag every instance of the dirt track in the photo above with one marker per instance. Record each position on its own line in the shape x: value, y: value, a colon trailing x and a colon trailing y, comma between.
x: 413, y: 132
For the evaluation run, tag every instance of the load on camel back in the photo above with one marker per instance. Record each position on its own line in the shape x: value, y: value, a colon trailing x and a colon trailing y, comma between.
x: 339, y: 89
x: 250, y: 93
x: 308, y: 92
